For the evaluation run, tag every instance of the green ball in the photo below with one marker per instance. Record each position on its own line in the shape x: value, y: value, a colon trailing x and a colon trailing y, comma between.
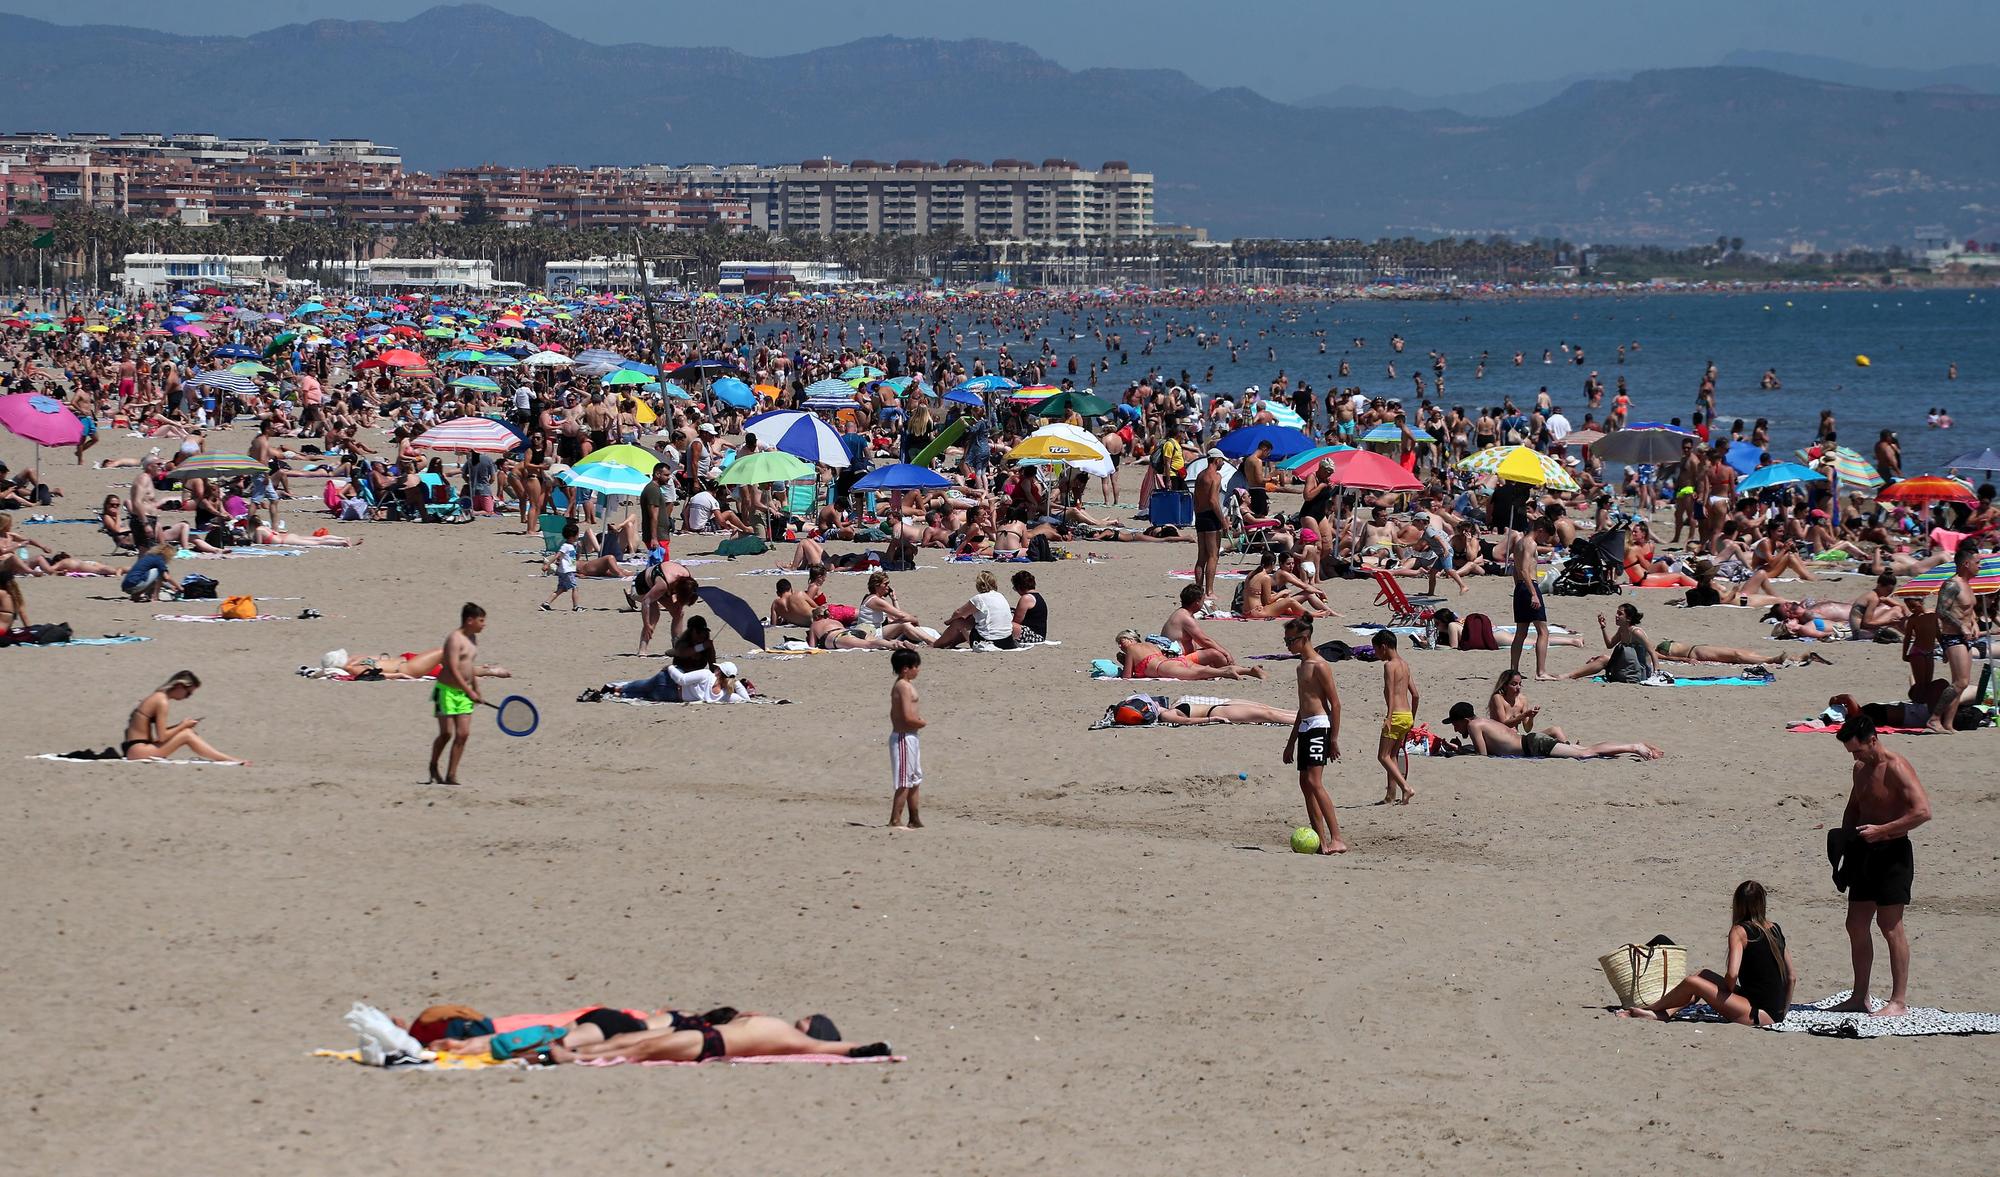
x: 1305, y: 841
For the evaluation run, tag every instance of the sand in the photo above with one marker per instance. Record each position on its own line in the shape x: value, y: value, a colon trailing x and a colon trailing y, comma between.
x: 1099, y: 957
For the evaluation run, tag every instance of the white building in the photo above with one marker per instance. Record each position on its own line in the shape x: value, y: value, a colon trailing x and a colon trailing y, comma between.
x: 161, y: 271
x: 620, y: 273
x: 752, y: 277
x: 421, y: 273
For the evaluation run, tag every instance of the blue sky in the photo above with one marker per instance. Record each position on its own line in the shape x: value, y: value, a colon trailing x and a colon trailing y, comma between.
x: 1283, y: 48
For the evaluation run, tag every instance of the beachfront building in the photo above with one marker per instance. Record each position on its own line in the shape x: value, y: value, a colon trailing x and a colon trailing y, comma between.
x: 419, y: 273
x: 1012, y: 199
x: 620, y: 273
x: 136, y: 147
x: 155, y: 272
x: 757, y: 277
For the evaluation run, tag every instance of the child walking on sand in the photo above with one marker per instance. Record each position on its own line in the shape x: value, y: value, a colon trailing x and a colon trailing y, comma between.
x: 1399, y: 692
x: 563, y: 560
x: 906, y: 766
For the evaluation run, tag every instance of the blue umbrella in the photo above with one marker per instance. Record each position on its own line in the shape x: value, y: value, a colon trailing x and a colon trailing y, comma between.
x: 482, y: 383
x: 606, y: 478
x: 1300, y: 461
x: 830, y: 388
x: 963, y: 396
x: 237, y: 351
x: 734, y: 612
x: 1382, y: 433
x: 1780, y: 474
x: 901, y: 476
x: 989, y: 384
x: 1285, y: 441
x: 733, y: 392
x: 675, y: 391
x: 1743, y: 457
x: 636, y: 366
x: 799, y: 434
x: 1985, y: 461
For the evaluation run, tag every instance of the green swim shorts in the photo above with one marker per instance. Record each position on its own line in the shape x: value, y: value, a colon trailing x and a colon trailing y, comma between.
x: 450, y: 700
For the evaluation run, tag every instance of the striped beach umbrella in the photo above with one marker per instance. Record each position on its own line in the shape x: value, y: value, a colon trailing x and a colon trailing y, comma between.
x: 1519, y: 463
x: 1923, y: 584
x: 800, y: 434
x: 217, y: 466
x: 1284, y: 415
x: 477, y: 383
x: 1301, y: 460
x: 1927, y: 488
x: 223, y: 380
x: 1851, y: 468
x: 1392, y: 433
x: 465, y: 434
x: 1033, y: 394
x: 608, y: 478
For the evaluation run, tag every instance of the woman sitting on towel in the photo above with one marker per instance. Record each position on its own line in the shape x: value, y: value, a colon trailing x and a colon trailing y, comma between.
x: 148, y: 735
x: 985, y: 618
x: 880, y: 614
x: 1138, y: 658
x: 1755, y: 986
x: 1508, y: 704
x: 1628, y: 648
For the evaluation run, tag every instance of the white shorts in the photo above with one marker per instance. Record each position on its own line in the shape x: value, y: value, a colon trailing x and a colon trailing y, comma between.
x: 906, y: 761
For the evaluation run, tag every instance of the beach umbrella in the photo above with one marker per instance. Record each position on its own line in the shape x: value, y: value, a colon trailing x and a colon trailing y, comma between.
x: 1285, y: 441
x: 1985, y: 461
x: 733, y: 392
x: 1641, y: 446
x: 223, y: 380
x: 903, y: 384
x: 964, y: 396
x: 1033, y: 394
x: 624, y: 376
x: 398, y: 357
x: 1582, y: 437
x: 41, y: 419
x: 829, y: 390
x: 902, y: 476
x: 988, y: 383
x: 236, y: 351
x: 734, y: 612
x: 1084, y: 402
x: 636, y: 366
x: 1367, y: 470
x: 249, y: 368
x: 764, y: 466
x: 709, y: 366
x: 630, y: 456
x: 674, y: 391
x: 1300, y: 461
x: 479, y: 383
x: 494, y: 359
x: 1927, y: 488
x: 1392, y: 433
x: 1923, y: 584
x: 798, y: 433
x: 608, y: 478
x: 1043, y: 445
x: 218, y: 466
x: 1851, y: 468
x: 467, y: 434
x: 1743, y: 457
x: 1282, y: 413
x: 863, y: 372
x: 1779, y: 474
x: 1526, y: 464
x: 598, y: 355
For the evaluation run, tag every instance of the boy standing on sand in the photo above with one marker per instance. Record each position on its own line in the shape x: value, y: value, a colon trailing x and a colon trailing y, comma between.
x: 456, y: 692
x: 1399, y: 692
x: 1315, y: 734
x: 906, y: 766
x: 563, y: 560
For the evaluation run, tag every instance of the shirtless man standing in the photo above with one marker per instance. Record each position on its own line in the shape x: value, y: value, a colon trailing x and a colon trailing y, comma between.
x: 1530, y: 610
x: 1255, y: 472
x: 1208, y: 522
x: 456, y: 692
x: 1316, y: 733
x: 1958, y: 628
x: 1887, y: 802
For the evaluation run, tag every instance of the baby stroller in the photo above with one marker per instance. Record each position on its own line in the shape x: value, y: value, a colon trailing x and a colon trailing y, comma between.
x: 1594, y: 566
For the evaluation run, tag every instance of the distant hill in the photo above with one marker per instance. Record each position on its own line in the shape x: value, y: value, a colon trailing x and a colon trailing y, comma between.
x: 1981, y: 79
x: 1492, y: 102
x: 1672, y: 155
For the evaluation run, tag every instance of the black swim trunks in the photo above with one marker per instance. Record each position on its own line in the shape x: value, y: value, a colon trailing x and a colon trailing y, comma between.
x: 1536, y: 745
x: 1260, y: 502
x: 1882, y: 872
x: 1205, y: 521
x: 1313, y: 744
x: 1529, y: 607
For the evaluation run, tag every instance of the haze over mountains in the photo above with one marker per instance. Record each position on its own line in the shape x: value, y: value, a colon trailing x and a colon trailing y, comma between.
x: 1820, y: 151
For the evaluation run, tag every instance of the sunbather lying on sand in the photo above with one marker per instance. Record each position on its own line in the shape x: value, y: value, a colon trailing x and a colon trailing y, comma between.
x: 404, y: 665
x: 1492, y: 738
x: 1144, y: 710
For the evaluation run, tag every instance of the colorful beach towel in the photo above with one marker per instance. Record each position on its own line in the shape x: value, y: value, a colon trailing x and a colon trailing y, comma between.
x: 1722, y: 681
x: 443, y: 1062
x: 123, y: 639
x: 1818, y: 728
x: 208, y: 617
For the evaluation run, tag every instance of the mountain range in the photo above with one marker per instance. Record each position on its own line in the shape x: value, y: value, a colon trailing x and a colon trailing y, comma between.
x: 1664, y: 155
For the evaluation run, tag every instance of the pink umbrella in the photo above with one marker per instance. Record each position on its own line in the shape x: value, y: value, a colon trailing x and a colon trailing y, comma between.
x: 43, y: 420
x: 195, y: 329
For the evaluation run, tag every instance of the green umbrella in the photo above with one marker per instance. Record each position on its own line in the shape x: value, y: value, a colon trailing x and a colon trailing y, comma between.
x: 765, y: 466
x: 249, y: 368
x: 437, y: 333
x: 1086, y: 404
x: 625, y: 376
x: 623, y: 455
x: 280, y: 343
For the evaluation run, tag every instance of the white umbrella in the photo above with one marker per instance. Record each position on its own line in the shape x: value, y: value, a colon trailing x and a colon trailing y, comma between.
x: 547, y: 359
x: 1098, y: 466
x: 800, y: 434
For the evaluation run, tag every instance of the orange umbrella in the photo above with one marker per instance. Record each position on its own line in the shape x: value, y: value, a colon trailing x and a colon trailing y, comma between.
x: 1927, y: 488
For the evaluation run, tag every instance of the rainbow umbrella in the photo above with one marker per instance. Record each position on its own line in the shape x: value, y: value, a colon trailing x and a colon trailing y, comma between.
x: 1853, y: 470
x: 1301, y: 461
x: 1923, y: 584
x: 622, y: 455
x: 218, y: 466
x: 1518, y: 463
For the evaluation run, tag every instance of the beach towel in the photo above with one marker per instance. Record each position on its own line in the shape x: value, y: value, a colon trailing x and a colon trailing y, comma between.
x: 1188, y: 574
x: 1109, y: 718
x: 765, y: 699
x: 443, y: 1062
x: 1817, y: 728
x: 47, y: 519
x: 1818, y: 1020
x: 241, y: 554
x: 114, y: 758
x: 1731, y: 680
x: 122, y: 639
x: 207, y: 617
x: 814, y: 1059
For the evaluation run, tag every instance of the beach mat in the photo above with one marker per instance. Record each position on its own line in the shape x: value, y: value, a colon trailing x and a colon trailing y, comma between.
x: 443, y: 1062
x: 66, y: 758
x: 1818, y: 1020
x: 1726, y: 681
x: 209, y: 617
x: 1799, y: 729
x: 823, y: 1060
x: 123, y: 639
x: 1107, y: 721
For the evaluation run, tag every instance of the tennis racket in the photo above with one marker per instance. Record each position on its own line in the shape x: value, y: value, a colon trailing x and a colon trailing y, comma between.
x: 516, y: 715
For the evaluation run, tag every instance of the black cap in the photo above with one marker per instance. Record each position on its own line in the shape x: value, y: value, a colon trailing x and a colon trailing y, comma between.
x: 1460, y: 711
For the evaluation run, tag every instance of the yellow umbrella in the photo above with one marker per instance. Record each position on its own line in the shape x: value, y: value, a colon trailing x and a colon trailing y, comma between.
x: 1057, y: 449
x: 643, y: 413
x: 623, y: 455
x: 1518, y: 463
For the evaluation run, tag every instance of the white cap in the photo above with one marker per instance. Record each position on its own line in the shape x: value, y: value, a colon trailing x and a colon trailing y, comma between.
x: 727, y: 669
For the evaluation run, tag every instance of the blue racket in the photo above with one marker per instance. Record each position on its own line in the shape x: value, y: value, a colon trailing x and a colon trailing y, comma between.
x: 516, y: 715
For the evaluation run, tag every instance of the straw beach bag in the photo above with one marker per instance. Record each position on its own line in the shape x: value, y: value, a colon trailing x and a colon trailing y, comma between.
x: 1641, y: 974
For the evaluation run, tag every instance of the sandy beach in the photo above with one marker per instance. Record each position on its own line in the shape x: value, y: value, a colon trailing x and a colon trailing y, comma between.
x: 1099, y: 957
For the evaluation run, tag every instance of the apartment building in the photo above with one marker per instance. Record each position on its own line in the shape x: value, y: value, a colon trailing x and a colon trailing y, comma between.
x: 1010, y: 199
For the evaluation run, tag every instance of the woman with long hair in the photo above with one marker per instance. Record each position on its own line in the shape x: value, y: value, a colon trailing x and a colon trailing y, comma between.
x: 148, y: 735
x: 1755, y: 986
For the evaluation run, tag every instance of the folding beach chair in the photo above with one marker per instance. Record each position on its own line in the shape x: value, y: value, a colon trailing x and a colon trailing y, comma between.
x: 552, y: 529
x: 1403, y: 608
x: 441, y: 504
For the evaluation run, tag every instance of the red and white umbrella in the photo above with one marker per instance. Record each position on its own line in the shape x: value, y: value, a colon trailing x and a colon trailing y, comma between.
x: 482, y: 434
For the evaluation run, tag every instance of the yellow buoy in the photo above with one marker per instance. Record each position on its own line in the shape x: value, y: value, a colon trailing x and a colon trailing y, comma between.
x: 1861, y: 361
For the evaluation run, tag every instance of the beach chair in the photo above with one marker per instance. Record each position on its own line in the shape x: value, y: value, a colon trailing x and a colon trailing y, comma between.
x: 801, y: 498
x: 1403, y: 608
x: 441, y: 504
x: 552, y: 529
